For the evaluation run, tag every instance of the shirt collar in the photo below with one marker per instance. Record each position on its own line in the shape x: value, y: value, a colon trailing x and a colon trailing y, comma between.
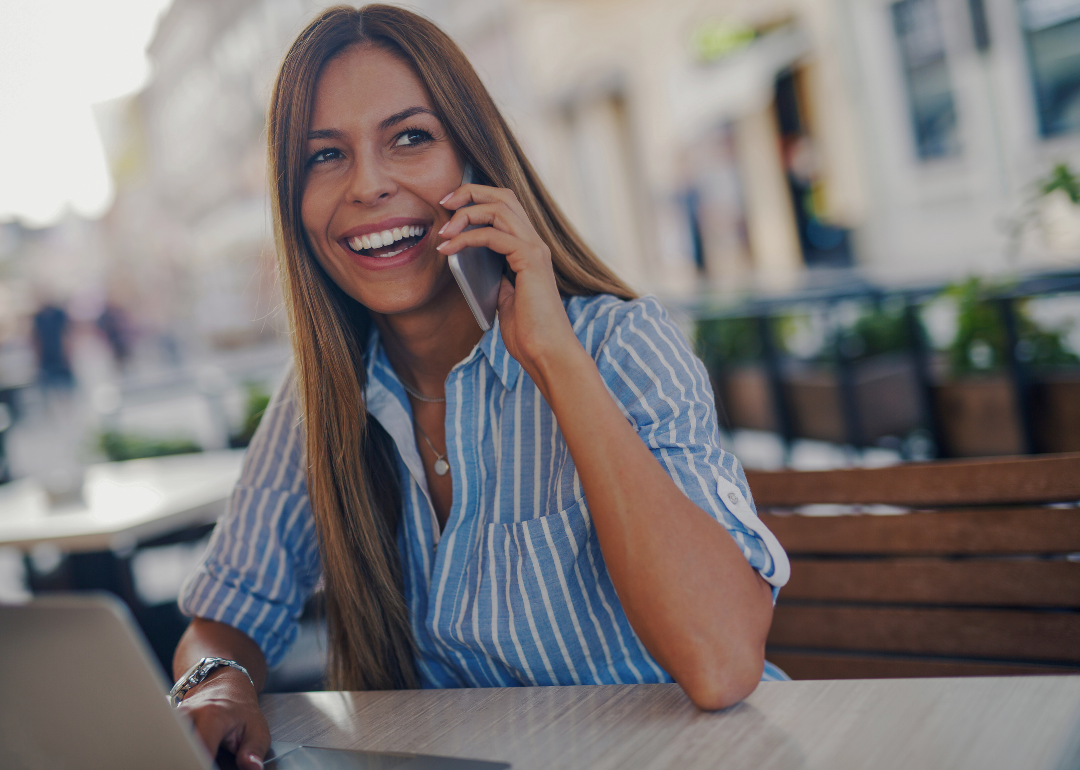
x: 505, y: 365
x: 491, y: 345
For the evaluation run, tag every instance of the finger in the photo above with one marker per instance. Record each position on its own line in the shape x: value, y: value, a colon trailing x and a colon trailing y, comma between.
x: 255, y: 744
x: 479, y: 193
x: 498, y: 215
x: 519, y: 254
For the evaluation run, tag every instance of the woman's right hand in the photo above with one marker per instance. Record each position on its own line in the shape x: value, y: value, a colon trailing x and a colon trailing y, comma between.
x: 224, y: 707
x: 225, y: 711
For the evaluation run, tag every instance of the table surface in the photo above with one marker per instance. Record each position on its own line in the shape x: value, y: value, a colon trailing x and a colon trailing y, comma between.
x: 978, y: 723
x: 122, y: 503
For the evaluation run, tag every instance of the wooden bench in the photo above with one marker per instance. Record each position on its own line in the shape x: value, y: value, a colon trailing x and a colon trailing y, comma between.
x: 977, y: 574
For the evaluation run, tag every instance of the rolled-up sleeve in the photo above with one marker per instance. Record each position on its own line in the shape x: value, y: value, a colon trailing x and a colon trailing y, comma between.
x: 262, y: 562
x: 664, y: 391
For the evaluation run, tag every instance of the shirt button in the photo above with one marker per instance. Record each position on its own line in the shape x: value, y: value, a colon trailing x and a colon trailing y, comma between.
x: 733, y: 498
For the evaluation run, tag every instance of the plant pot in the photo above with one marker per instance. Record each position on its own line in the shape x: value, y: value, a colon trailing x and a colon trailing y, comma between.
x: 887, y: 396
x: 1055, y: 411
x: 814, y: 398
x: 744, y: 399
x: 977, y: 417
x: 886, y: 400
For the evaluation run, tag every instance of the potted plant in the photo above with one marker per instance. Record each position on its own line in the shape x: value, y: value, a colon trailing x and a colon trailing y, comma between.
x: 732, y: 351
x: 864, y: 341
x: 975, y: 398
x: 858, y: 386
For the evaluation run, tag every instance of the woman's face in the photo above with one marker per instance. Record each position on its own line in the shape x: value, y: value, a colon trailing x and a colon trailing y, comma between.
x: 378, y: 163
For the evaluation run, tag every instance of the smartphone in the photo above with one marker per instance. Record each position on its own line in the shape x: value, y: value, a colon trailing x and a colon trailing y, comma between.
x: 478, y: 272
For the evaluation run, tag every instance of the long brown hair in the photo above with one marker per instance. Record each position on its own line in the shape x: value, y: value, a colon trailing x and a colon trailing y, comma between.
x: 352, y: 478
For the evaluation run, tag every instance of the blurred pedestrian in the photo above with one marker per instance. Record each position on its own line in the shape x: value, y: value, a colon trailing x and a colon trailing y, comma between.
x: 114, y: 324
x: 51, y: 341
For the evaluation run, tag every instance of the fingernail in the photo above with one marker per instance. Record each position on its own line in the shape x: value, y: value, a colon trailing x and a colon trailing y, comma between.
x: 449, y: 195
x: 254, y: 759
x: 442, y: 246
x: 443, y: 228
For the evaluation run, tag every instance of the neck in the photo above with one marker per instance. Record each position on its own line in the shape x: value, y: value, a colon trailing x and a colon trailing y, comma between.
x: 425, y: 344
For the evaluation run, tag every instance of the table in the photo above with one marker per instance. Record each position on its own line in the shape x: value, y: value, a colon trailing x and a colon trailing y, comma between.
x: 977, y: 723
x: 124, y: 506
x: 124, y: 503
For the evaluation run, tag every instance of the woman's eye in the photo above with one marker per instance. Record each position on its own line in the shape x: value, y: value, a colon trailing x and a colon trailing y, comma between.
x: 323, y: 155
x: 412, y: 137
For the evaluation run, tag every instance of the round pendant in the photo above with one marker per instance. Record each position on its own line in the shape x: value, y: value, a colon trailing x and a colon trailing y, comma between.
x: 442, y: 467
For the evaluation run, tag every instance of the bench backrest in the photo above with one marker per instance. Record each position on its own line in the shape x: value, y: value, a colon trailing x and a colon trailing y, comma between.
x: 949, y: 568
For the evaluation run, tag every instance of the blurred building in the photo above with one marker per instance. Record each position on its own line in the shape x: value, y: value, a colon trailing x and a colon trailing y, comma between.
x: 700, y: 145
x: 190, y: 227
x: 754, y: 140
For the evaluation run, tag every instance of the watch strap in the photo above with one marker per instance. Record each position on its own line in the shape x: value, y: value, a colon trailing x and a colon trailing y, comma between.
x: 198, y: 673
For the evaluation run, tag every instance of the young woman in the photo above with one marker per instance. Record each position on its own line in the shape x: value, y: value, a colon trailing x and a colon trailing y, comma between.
x: 545, y: 503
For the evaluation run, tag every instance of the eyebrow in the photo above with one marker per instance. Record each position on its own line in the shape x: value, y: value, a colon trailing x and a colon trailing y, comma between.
x: 397, y: 117
x: 408, y: 112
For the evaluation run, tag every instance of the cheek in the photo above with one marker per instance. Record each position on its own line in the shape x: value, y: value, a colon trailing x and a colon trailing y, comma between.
x: 434, y: 175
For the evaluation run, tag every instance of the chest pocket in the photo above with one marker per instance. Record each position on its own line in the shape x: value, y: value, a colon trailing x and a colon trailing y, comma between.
x: 538, y: 596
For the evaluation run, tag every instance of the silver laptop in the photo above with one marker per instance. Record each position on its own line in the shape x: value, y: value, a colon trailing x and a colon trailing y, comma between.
x: 79, y: 688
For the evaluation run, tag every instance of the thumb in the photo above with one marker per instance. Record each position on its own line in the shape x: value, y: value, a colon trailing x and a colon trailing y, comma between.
x: 506, y: 293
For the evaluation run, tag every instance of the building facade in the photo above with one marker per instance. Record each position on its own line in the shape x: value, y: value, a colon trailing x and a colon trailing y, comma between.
x: 701, y: 146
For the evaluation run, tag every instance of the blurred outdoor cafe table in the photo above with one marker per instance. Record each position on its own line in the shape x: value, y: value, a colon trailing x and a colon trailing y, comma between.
x: 981, y: 724
x: 122, y: 505
x: 91, y: 536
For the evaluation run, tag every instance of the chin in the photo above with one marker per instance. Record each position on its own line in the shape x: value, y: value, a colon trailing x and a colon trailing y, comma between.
x: 400, y: 297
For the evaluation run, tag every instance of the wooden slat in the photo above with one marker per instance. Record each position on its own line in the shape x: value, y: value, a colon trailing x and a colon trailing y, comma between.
x: 986, y: 531
x: 995, y: 634
x: 992, y: 582
x: 1013, y: 480
x: 808, y: 665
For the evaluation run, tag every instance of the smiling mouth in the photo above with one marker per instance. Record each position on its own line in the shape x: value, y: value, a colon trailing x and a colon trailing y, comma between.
x: 388, y: 243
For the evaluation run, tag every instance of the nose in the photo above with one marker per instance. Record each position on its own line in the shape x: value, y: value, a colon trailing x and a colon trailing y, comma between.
x: 369, y: 182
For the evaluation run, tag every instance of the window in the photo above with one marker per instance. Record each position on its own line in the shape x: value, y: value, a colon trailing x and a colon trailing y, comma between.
x: 1052, y: 31
x: 929, y: 90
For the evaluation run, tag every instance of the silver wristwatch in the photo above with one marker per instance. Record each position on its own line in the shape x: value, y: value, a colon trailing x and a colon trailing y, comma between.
x: 198, y: 673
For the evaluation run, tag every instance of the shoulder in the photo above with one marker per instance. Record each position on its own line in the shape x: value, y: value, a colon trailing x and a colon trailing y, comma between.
x: 608, y: 325
x: 644, y: 359
x: 606, y: 322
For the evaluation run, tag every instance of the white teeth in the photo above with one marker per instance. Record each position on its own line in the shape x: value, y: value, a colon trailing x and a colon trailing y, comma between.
x: 385, y: 238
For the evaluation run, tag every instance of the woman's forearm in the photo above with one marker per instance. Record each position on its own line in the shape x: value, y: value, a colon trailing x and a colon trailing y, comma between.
x: 693, y: 599
x: 224, y: 708
x: 210, y: 639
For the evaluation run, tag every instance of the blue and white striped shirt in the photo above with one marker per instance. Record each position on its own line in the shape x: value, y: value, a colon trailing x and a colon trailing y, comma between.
x: 514, y: 590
